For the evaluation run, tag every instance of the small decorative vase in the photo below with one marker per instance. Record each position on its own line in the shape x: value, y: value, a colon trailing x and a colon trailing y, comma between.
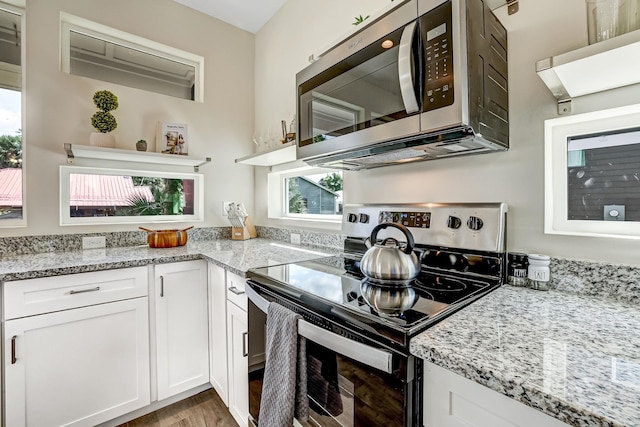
x: 141, y: 145
x: 100, y: 139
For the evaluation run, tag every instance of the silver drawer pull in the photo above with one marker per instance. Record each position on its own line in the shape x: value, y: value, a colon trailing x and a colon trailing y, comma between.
x: 236, y: 290
x: 245, y: 344
x: 82, y: 291
x: 13, y: 350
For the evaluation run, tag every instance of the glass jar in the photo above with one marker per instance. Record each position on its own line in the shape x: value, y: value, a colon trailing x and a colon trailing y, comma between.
x: 539, y: 273
x: 607, y: 19
x: 517, y: 268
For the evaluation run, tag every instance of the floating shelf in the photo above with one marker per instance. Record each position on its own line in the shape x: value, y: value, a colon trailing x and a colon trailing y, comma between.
x: 274, y: 156
x: 605, y: 65
x: 102, y: 153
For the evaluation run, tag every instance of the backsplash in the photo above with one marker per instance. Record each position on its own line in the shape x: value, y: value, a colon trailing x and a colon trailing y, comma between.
x: 598, y: 279
x: 26, y: 245
x: 326, y: 240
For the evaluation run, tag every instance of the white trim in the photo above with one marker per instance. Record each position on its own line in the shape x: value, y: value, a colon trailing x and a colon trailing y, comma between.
x: 276, y: 206
x: 555, y: 188
x: 17, y: 7
x: 70, y: 22
x: 67, y: 219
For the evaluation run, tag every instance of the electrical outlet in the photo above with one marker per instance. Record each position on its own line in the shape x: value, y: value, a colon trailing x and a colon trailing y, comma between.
x: 225, y: 205
x: 96, y: 242
x: 295, y: 238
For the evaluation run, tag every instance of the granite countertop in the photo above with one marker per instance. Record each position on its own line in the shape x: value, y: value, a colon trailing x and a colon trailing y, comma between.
x: 573, y: 357
x: 235, y: 256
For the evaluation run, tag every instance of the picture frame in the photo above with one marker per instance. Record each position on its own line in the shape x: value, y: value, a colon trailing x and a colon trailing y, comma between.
x: 172, y: 138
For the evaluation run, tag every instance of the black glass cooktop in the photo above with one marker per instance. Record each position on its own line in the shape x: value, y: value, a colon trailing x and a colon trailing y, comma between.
x: 330, y: 290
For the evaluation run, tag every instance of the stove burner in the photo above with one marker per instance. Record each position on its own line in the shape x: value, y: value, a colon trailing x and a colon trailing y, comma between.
x: 443, y: 285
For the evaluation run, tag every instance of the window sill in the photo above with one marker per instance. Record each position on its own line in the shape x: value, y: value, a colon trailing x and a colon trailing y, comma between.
x: 324, y: 224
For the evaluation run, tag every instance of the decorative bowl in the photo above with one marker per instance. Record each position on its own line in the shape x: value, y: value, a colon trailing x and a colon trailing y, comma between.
x: 166, y: 238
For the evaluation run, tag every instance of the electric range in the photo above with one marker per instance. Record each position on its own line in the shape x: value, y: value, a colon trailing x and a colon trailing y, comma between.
x: 462, y: 254
x: 356, y: 327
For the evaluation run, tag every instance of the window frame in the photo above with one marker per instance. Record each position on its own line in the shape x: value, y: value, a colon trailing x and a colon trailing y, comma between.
x: 18, y: 7
x: 67, y: 220
x: 70, y: 23
x: 557, y: 134
x: 276, y: 188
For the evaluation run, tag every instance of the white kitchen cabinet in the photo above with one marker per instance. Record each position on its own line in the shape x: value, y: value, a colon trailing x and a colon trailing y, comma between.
x: 451, y: 400
x: 82, y: 365
x: 181, y: 326
x: 237, y: 362
x: 218, y: 376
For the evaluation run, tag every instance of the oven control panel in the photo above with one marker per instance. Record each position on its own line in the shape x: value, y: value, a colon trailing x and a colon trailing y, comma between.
x: 479, y: 226
x: 408, y: 219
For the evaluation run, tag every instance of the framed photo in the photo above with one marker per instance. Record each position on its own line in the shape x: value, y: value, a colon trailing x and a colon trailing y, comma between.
x: 171, y: 138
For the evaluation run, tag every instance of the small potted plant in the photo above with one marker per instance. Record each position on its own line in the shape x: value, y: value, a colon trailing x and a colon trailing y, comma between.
x: 103, y: 121
x: 141, y: 145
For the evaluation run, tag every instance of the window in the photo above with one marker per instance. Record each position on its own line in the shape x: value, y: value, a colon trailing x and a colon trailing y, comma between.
x: 99, y: 52
x: 106, y: 196
x: 12, y: 209
x: 306, y: 193
x: 592, y: 181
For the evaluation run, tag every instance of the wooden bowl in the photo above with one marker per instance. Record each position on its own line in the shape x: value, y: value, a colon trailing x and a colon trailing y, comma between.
x: 166, y: 238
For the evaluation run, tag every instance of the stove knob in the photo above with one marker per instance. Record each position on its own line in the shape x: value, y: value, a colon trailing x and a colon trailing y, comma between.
x: 454, y: 222
x: 352, y: 217
x: 364, y: 218
x: 474, y: 223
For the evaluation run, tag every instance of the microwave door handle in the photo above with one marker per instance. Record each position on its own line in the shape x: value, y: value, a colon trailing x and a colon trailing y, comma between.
x: 405, y: 75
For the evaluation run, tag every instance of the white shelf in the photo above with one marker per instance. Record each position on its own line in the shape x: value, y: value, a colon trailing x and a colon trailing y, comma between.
x: 601, y: 66
x: 274, y: 156
x: 102, y: 153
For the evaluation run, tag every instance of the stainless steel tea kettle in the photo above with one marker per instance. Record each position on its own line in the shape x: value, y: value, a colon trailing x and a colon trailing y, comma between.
x: 388, y: 261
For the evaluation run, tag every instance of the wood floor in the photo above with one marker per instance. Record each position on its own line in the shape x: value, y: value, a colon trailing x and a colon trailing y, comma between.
x: 202, y: 410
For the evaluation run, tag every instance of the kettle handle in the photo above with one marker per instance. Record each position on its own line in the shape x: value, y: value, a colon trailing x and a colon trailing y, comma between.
x: 405, y: 231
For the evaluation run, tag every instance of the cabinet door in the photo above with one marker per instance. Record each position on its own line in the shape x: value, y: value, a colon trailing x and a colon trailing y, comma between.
x: 218, y: 332
x: 77, y: 367
x: 454, y: 401
x: 238, y: 366
x: 182, y: 330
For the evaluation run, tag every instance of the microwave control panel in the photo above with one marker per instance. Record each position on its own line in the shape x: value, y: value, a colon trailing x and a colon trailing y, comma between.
x: 436, y: 30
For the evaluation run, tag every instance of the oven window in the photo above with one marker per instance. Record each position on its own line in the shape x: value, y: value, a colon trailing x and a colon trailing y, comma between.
x: 345, y: 393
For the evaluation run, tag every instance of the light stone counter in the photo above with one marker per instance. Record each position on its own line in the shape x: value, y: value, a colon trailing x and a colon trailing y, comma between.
x: 573, y: 357
x: 235, y: 256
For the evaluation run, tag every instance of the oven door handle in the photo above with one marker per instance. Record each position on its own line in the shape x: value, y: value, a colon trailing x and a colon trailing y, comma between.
x: 363, y: 353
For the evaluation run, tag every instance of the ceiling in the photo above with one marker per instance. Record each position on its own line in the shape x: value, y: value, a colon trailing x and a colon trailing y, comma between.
x: 250, y: 15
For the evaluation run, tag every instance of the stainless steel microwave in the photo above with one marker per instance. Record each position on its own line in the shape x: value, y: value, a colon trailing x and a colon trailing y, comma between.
x: 427, y: 80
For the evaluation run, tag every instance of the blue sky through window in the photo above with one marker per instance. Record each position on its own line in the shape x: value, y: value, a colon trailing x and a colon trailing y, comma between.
x: 10, y: 112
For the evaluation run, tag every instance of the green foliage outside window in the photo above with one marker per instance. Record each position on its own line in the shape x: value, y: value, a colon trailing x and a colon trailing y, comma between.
x: 10, y: 151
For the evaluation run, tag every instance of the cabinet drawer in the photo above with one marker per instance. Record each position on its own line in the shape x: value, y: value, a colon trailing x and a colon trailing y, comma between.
x: 235, y: 290
x: 43, y: 295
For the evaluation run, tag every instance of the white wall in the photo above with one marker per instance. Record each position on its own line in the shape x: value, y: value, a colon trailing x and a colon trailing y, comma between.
x: 59, y: 106
x: 542, y: 28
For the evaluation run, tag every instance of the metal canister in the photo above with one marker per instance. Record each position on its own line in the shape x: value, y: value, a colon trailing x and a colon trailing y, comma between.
x: 517, y: 268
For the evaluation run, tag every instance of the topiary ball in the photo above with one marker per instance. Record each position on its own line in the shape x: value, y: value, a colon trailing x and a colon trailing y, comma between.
x: 105, y: 100
x: 103, y: 121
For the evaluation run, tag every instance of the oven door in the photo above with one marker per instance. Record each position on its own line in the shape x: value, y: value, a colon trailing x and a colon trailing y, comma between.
x: 349, y: 383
